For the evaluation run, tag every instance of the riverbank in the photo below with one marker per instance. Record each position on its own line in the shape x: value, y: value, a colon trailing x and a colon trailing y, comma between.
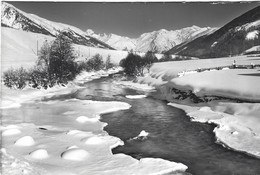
x: 65, y: 136
x: 211, y: 97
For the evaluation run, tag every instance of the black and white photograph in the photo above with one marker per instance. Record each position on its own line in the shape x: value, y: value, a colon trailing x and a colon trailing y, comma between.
x: 130, y: 87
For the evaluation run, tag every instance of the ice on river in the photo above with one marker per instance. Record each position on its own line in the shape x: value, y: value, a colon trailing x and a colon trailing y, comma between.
x: 66, y: 137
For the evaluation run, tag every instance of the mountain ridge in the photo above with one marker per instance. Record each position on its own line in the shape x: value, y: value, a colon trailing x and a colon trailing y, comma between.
x: 157, y: 41
x: 235, y: 37
x: 17, y: 19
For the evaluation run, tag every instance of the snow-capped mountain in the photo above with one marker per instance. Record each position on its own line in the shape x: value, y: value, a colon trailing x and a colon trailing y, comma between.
x: 234, y: 38
x: 163, y: 40
x: 116, y: 41
x: 14, y: 18
x: 156, y: 41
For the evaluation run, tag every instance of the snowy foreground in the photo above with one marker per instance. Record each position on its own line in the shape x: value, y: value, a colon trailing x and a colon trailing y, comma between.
x: 66, y: 136
x: 237, y: 123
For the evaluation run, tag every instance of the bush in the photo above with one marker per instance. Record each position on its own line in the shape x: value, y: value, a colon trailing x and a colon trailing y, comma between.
x: 96, y: 63
x: 55, y: 65
x: 39, y: 78
x: 62, y: 66
x: 108, y: 63
x: 15, y: 78
x: 166, y: 57
x: 132, y: 64
x: 148, y: 60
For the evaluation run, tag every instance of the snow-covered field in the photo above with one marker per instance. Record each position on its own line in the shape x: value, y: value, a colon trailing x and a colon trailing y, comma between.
x: 238, y: 123
x: 169, y: 70
x: 65, y: 136
x: 234, y: 83
x: 19, y: 48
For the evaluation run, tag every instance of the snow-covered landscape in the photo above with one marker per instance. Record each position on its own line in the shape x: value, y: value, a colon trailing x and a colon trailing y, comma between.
x: 59, y: 128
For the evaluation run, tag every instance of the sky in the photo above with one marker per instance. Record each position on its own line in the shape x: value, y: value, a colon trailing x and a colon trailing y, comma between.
x: 133, y: 19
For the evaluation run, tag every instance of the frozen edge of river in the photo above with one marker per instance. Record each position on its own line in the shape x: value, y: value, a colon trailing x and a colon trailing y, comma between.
x: 232, y: 131
x: 237, y: 131
x: 146, y: 165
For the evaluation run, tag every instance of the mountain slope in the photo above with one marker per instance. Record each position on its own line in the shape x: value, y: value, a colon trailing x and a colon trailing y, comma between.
x: 156, y: 41
x: 233, y: 38
x: 163, y: 40
x: 116, y: 41
x: 17, y: 19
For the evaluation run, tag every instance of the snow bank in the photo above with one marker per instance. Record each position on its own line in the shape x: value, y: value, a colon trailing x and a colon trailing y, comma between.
x: 10, y: 132
x: 132, y: 85
x: 169, y: 70
x: 70, y: 147
x: 14, y: 166
x: 39, y: 154
x: 237, y: 123
x: 135, y: 96
x: 142, y: 135
x: 75, y: 154
x: 83, y: 119
x: 85, y: 77
x: 233, y: 83
x: 25, y: 141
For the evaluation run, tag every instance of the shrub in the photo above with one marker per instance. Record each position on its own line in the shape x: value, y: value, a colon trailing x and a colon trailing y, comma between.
x: 132, y: 64
x: 96, y: 63
x: 166, y: 57
x: 108, y: 63
x: 39, y: 78
x: 15, y: 78
x: 148, y: 60
x: 62, y: 66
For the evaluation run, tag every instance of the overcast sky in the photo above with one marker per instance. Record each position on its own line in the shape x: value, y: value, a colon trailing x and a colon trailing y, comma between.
x: 133, y: 19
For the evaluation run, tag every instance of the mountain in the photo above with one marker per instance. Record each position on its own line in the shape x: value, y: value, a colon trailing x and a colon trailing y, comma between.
x: 116, y: 41
x: 234, y: 38
x: 17, y: 19
x: 156, y: 41
x: 163, y: 40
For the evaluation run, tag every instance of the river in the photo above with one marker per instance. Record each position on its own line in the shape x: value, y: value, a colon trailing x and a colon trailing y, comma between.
x: 172, y: 135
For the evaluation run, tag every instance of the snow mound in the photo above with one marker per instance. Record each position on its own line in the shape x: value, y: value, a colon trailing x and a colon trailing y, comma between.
x: 39, y: 154
x: 72, y: 147
x: 158, y: 163
x: 141, y: 136
x: 10, y: 132
x: 143, y: 133
x: 135, y: 96
x: 95, y: 140
x: 25, y: 141
x: 75, y: 154
x: 11, y: 126
x: 69, y: 112
x: 79, y: 133
x: 83, y: 119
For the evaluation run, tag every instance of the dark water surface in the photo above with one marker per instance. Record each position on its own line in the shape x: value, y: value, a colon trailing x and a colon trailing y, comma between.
x: 172, y: 135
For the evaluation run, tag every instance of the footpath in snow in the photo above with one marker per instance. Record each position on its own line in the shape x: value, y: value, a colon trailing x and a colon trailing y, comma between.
x: 65, y: 136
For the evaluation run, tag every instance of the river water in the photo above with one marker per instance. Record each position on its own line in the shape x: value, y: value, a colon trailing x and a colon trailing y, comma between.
x: 172, y: 135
